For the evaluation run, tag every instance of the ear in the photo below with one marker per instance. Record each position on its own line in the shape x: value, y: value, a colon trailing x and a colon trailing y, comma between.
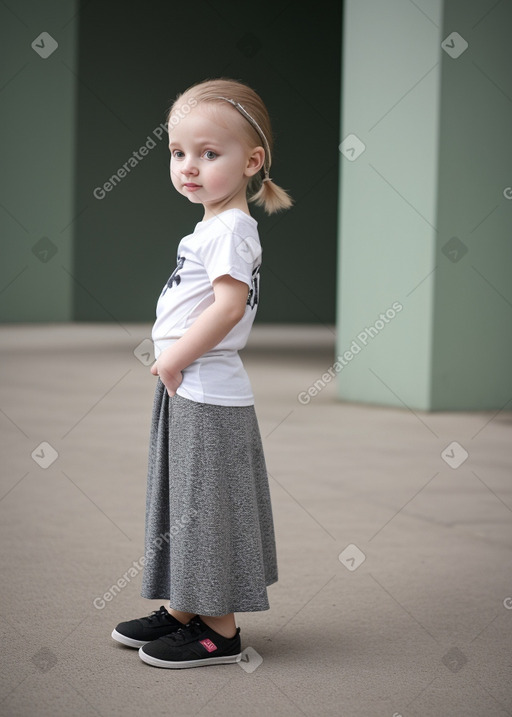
x: 255, y: 161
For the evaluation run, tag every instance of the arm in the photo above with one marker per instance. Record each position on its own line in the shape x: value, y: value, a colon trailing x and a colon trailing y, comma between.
x: 206, y: 332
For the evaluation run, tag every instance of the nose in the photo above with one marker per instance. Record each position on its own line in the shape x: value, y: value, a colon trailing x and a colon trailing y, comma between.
x: 188, y: 167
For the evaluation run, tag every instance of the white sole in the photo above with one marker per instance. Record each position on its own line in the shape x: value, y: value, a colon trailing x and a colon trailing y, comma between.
x: 127, y: 640
x: 227, y: 659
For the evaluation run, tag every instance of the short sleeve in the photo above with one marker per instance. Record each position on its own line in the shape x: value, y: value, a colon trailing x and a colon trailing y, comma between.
x: 230, y: 254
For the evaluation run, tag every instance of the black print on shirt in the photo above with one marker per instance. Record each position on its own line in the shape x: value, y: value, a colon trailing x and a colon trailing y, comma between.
x: 175, y: 278
x: 254, y: 292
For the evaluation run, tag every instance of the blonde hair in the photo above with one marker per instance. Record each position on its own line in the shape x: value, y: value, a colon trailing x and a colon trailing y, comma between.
x: 261, y: 189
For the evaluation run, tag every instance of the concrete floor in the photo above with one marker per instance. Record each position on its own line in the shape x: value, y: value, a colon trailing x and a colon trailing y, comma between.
x: 422, y: 627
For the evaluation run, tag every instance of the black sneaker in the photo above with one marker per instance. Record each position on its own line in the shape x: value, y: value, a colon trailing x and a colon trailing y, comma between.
x: 193, y: 645
x: 136, y: 633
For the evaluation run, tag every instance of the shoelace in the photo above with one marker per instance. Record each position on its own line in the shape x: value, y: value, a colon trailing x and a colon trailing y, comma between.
x: 158, y: 615
x: 182, y: 633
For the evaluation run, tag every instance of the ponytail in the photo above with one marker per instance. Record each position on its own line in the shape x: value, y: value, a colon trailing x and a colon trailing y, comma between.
x: 270, y: 196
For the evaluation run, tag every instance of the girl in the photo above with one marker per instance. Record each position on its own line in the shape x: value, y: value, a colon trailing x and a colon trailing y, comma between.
x: 210, y: 544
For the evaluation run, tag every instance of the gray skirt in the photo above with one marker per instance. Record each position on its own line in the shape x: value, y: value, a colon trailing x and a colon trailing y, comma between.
x: 209, y: 542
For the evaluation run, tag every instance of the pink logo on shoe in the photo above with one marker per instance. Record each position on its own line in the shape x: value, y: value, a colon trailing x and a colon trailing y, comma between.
x: 208, y: 644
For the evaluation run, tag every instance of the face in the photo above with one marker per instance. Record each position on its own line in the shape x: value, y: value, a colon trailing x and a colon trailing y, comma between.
x: 210, y: 163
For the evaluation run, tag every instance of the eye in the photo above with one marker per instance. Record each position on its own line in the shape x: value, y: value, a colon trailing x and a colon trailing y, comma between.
x: 209, y: 154
x: 177, y: 154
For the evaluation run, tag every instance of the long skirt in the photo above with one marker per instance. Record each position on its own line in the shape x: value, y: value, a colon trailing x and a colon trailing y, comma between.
x: 209, y: 540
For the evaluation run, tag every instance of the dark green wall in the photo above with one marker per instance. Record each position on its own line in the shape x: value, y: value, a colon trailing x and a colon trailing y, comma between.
x: 133, y: 59
x: 37, y: 129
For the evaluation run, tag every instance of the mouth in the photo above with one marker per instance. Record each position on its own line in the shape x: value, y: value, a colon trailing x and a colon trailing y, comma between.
x: 191, y: 185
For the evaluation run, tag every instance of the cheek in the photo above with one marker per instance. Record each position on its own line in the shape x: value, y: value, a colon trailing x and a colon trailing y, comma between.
x: 221, y: 176
x: 172, y: 173
x: 216, y: 181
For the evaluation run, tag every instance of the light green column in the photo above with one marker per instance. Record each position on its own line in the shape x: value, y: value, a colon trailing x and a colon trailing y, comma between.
x: 424, y: 314
x: 37, y: 128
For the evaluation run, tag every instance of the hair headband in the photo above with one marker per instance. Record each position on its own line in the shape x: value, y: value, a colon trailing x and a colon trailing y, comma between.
x: 258, y: 129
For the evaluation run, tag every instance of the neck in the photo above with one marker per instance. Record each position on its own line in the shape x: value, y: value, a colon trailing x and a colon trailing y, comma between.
x: 212, y: 210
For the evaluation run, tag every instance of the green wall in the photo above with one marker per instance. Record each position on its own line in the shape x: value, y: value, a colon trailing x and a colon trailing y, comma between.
x: 38, y: 160
x: 430, y: 185
x: 75, y: 118
x: 131, y: 67
x: 472, y: 336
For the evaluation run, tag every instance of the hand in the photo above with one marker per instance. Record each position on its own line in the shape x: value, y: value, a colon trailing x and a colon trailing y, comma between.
x: 171, y: 378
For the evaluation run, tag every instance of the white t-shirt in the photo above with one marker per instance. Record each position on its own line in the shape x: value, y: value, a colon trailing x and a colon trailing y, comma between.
x: 225, y: 244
